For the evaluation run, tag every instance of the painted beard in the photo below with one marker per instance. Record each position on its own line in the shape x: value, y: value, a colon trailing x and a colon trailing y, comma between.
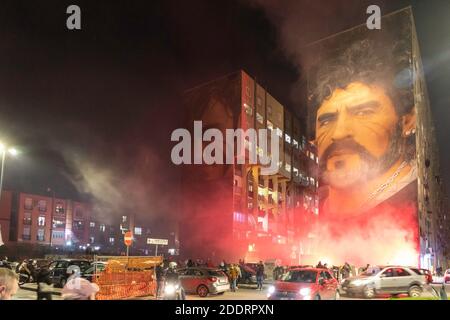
x: 353, y: 164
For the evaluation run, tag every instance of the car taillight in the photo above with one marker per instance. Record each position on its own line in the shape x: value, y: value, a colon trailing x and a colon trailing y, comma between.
x: 213, y: 279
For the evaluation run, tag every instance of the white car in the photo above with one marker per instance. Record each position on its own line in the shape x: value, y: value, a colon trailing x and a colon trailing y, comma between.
x: 447, y: 276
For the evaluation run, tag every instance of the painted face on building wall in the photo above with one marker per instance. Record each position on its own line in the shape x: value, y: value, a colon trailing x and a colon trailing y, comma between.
x: 358, y: 135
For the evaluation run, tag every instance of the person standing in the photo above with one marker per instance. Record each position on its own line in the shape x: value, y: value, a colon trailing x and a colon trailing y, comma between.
x: 260, y: 275
x: 45, y: 288
x: 233, y: 275
x: 159, y: 274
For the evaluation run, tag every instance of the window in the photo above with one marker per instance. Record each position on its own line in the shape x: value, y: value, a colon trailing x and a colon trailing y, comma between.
x: 27, y: 218
x: 28, y: 203
x: 124, y: 218
x: 279, y: 132
x: 111, y: 240
x: 388, y: 273
x: 59, y: 208
x: 287, y: 138
x: 401, y: 272
x: 248, y: 109
x: 287, y: 166
x: 58, y: 223
x: 58, y: 234
x: 311, y: 156
x: 79, y: 212
x: 259, y: 118
x: 92, y: 224
x: 40, y: 235
x: 26, y: 233
x: 91, y: 239
x: 42, y: 205
x: 102, y: 228
x: 41, y: 221
x: 138, y: 231
x: 78, y: 225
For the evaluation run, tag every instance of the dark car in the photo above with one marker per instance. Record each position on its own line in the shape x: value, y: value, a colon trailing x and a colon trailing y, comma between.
x: 58, y: 269
x: 305, y: 284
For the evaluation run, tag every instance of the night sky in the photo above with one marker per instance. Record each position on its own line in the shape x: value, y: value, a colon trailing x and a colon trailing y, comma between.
x: 92, y: 110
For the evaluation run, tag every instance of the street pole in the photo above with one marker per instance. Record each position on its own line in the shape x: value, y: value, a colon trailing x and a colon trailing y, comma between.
x: 156, y: 253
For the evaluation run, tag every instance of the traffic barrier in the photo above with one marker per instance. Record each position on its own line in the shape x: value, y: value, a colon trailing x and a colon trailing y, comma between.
x: 126, y: 278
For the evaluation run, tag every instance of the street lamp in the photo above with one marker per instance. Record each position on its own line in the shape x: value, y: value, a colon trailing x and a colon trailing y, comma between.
x: 4, y: 150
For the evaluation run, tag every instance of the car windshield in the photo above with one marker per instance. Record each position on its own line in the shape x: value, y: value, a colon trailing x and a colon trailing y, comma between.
x: 303, y: 276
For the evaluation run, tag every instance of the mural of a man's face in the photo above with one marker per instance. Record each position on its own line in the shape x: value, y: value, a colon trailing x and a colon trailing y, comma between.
x: 358, y: 134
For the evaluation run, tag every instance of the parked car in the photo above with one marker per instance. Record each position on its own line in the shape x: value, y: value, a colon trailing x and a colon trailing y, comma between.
x: 447, y: 276
x: 385, y: 280
x: 58, y: 269
x: 203, y: 281
x: 305, y: 284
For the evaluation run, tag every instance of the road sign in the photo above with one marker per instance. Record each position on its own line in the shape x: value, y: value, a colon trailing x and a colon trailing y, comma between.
x: 163, y: 242
x: 128, y: 238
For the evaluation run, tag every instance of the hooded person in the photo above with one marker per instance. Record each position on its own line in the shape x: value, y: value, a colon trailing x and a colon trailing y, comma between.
x: 78, y: 288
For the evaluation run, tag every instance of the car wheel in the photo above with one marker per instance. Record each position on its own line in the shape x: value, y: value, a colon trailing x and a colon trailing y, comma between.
x: 202, y: 291
x: 414, y: 291
x: 62, y: 282
x: 369, y: 292
x: 337, y: 295
x: 317, y: 297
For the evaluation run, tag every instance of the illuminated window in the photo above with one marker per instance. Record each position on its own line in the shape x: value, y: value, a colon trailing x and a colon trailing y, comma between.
x: 27, y: 218
x: 91, y: 239
x: 58, y: 223
x: 59, y: 208
x: 92, y: 224
x: 279, y: 132
x: 111, y: 240
x: 248, y: 109
x: 124, y: 218
x: 41, y: 221
x: 259, y: 118
x: 138, y: 231
x: 287, y: 138
x: 102, y: 228
x: 287, y: 166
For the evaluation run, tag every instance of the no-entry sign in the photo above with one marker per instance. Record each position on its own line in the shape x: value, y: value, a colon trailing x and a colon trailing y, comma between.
x: 128, y: 238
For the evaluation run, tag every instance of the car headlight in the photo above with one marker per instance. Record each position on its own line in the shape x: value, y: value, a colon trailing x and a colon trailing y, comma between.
x: 271, y: 290
x: 360, y: 282
x: 170, y: 289
x: 305, y: 291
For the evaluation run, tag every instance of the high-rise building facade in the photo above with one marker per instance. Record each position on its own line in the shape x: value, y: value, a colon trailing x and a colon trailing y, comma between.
x: 233, y: 211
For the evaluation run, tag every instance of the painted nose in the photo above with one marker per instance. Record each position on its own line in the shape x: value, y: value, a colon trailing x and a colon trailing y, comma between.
x: 342, y: 129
